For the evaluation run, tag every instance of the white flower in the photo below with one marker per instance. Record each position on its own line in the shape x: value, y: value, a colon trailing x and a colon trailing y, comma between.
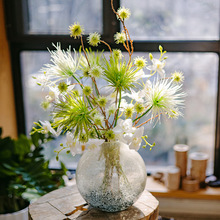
x: 140, y: 75
x: 75, y: 146
x: 125, y: 105
x: 63, y: 64
x: 164, y: 97
x: 42, y: 80
x: 111, y: 110
x: 135, y: 139
x: 120, y: 38
x: 56, y: 95
x: 157, y: 66
x: 124, y: 13
x: 124, y: 126
x: 46, y: 128
x: 135, y: 96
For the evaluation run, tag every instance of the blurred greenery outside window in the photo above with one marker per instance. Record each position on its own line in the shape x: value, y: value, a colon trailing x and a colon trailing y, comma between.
x: 177, y: 24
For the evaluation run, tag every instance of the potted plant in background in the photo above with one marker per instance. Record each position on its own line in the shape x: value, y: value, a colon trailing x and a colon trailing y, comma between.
x: 24, y: 174
x: 101, y: 104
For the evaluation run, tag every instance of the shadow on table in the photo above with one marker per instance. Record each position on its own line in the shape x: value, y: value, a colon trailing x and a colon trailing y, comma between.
x: 132, y: 213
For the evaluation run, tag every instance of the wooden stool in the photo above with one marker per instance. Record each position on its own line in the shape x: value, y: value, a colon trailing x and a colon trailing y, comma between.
x: 67, y: 203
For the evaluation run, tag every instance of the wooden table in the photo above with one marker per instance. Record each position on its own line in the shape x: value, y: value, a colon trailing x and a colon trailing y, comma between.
x: 67, y: 203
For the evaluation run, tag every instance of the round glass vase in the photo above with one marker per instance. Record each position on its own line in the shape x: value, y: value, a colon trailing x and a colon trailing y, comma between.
x: 111, y: 177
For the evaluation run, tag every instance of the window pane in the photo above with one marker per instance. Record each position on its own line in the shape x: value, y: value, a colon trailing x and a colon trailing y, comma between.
x: 172, y: 20
x: 196, y: 128
x: 55, y: 16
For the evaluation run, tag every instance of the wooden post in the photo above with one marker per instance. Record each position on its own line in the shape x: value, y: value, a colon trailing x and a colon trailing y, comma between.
x: 7, y: 110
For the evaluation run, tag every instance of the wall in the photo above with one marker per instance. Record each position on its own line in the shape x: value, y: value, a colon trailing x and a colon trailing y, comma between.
x: 7, y: 105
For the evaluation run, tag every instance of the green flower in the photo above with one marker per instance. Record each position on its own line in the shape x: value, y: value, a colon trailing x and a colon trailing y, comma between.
x: 119, y: 75
x: 120, y: 38
x: 73, y: 113
x: 62, y: 87
x: 177, y: 77
x: 124, y: 13
x: 111, y: 110
x: 98, y: 119
x: 76, y: 30
x: 139, y: 108
x: 102, y: 101
x: 117, y: 54
x: 92, y: 134
x: 87, y: 90
x: 83, y: 137
x: 129, y: 111
x: 140, y: 62
x: 94, y: 39
x: 45, y: 105
x: 110, y: 135
x: 96, y: 71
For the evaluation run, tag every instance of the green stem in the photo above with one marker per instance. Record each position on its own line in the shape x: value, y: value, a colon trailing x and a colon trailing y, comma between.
x: 143, y: 114
x: 119, y: 103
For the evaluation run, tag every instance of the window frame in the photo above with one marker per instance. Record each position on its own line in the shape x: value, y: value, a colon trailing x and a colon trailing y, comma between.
x: 20, y: 41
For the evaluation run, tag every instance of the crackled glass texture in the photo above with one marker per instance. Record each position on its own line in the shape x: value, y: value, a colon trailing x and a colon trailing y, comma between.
x: 111, y: 177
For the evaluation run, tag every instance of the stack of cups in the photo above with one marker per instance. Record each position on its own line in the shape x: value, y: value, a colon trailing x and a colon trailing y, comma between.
x: 198, y: 167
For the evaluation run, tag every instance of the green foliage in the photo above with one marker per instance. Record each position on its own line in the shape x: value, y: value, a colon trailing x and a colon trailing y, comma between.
x: 24, y: 173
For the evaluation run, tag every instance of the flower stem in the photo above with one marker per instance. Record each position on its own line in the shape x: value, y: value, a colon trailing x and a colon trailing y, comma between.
x: 119, y: 103
x: 84, y: 51
x: 143, y: 114
x: 110, y: 49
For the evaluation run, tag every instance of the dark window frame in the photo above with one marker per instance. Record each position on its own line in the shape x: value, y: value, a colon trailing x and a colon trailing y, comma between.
x: 19, y: 41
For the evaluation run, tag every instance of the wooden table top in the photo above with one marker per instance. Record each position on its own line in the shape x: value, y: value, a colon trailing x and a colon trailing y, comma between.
x: 67, y: 203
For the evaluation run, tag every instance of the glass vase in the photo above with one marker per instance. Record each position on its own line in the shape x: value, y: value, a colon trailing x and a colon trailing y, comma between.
x: 111, y: 177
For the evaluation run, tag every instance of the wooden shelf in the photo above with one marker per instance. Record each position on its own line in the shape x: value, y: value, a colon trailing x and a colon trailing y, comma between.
x: 159, y: 190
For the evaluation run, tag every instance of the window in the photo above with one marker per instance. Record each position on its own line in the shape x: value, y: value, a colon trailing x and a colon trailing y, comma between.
x: 188, y: 30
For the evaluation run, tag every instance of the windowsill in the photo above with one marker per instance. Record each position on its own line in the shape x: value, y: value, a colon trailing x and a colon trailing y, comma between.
x: 159, y: 190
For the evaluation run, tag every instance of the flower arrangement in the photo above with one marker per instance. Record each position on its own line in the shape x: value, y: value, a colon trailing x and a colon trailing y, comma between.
x: 97, y: 98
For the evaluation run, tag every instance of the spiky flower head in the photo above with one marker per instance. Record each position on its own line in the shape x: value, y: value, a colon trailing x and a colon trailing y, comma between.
x: 92, y: 133
x: 94, y: 39
x: 110, y: 135
x: 111, y: 110
x: 139, y: 107
x: 140, y: 62
x: 164, y: 97
x: 87, y: 90
x: 45, y: 105
x: 76, y: 30
x: 177, y: 77
x: 102, y: 101
x: 117, y: 54
x: 63, y: 64
x: 62, y: 87
x: 83, y: 137
x: 96, y: 71
x: 129, y: 111
x: 98, y: 119
x: 73, y: 113
x: 124, y: 13
x: 120, y: 38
